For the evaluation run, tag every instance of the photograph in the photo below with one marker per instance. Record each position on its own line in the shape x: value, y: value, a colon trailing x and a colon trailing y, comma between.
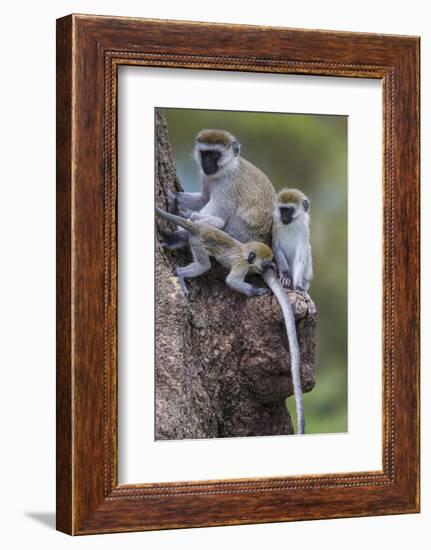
x: 251, y: 321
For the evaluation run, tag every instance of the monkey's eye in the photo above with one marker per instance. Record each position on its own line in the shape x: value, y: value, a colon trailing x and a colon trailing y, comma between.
x: 235, y: 148
x: 306, y: 205
x: 251, y: 257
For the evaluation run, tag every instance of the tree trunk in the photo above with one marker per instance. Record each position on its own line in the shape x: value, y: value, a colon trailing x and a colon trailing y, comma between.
x: 222, y: 359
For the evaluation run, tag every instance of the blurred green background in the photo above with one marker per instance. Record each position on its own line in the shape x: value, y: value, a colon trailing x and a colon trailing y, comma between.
x: 308, y: 152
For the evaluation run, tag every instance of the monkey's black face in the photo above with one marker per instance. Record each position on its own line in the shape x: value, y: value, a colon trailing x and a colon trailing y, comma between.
x: 209, y: 161
x: 286, y: 214
x: 266, y: 266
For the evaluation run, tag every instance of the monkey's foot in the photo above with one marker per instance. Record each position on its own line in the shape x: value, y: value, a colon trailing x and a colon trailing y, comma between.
x: 182, y: 284
x: 303, y: 291
x: 311, y: 308
x: 163, y: 238
x: 172, y: 241
x: 286, y: 280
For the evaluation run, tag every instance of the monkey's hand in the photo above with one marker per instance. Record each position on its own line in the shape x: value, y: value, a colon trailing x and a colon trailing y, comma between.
x: 172, y: 201
x: 286, y: 279
x: 259, y: 291
x: 186, y: 213
x: 179, y: 200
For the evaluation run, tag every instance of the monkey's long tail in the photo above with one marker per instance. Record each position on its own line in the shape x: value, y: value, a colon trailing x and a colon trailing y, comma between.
x: 187, y: 224
x: 289, y: 319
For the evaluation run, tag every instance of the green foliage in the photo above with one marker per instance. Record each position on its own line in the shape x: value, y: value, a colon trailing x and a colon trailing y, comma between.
x: 308, y: 152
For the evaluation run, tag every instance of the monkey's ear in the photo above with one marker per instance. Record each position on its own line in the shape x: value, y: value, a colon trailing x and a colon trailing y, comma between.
x: 251, y: 257
x: 235, y: 148
x: 306, y: 205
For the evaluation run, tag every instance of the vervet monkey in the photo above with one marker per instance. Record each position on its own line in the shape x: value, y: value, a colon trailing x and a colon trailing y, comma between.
x: 238, y: 197
x: 291, y: 239
x: 240, y: 258
x: 235, y: 196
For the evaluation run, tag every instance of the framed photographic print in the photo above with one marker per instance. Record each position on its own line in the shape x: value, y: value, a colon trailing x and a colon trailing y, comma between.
x: 237, y: 274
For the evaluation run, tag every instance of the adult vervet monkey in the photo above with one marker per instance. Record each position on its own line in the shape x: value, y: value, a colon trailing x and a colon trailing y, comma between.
x: 235, y: 195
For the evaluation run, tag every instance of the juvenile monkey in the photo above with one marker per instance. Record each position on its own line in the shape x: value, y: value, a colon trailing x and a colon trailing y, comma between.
x: 239, y: 198
x: 291, y: 239
x: 240, y: 259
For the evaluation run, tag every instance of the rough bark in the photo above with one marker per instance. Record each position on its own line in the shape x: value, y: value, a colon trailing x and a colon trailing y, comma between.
x: 222, y: 359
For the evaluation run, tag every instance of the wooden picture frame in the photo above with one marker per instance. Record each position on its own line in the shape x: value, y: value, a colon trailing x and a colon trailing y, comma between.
x: 89, y: 51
